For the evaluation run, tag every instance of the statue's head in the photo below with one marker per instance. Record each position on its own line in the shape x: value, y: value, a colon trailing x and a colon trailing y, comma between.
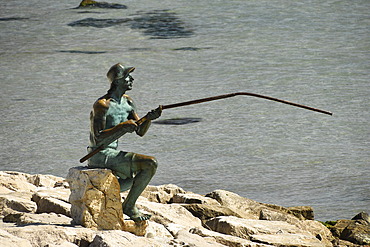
x: 118, y: 71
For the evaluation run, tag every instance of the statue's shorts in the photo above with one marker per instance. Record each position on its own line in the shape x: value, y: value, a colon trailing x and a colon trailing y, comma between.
x: 119, y: 162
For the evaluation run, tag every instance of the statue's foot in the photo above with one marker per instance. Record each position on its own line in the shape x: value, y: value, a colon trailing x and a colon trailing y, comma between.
x: 135, y: 214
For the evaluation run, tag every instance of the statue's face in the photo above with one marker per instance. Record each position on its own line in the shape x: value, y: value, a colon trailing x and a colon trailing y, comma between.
x: 129, y: 80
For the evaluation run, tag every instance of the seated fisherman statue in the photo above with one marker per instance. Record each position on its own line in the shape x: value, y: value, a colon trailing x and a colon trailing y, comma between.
x: 112, y: 116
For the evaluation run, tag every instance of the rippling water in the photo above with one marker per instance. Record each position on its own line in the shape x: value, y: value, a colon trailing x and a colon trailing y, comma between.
x: 53, y: 64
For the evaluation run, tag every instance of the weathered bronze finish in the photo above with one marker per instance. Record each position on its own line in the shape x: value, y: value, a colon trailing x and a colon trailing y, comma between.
x: 112, y: 116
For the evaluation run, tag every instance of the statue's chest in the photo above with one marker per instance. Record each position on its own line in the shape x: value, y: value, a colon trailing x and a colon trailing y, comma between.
x: 118, y: 112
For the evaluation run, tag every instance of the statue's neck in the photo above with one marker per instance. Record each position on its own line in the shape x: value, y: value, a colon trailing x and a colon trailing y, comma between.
x: 117, y: 94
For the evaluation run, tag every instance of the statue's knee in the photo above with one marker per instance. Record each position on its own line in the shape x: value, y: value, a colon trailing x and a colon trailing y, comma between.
x: 153, y: 163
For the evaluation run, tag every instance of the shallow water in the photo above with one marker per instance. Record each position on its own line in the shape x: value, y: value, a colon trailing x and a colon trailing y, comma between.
x: 53, y: 64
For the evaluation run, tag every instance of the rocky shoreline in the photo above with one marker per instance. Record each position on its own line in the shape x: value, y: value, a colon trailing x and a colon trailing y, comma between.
x: 35, y: 211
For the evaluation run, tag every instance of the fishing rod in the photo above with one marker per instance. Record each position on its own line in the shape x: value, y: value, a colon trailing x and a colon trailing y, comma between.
x: 198, y: 101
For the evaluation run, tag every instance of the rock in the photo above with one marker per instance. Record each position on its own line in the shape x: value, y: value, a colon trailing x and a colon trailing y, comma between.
x: 95, y: 198
x: 15, y: 181
x: 53, y: 205
x: 157, y: 231
x: 169, y: 213
x: 193, y: 198
x: 46, y: 181
x: 64, y: 244
x: 205, y: 211
x: 59, y: 193
x: 91, y: 3
x: 9, y: 240
x: 96, y: 201
x: 162, y: 193
x: 244, y: 207
x: 43, y: 235
x: 44, y: 218
x: 260, y: 231
x: 302, y: 212
x: 318, y: 230
x: 244, y: 228
x: 286, y: 240
x: 226, y: 239
x: 357, y: 232
x: 185, y: 238
x: 18, y: 201
x: 120, y: 238
x: 362, y: 216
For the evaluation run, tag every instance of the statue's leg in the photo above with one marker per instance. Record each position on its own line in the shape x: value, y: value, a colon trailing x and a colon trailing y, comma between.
x: 125, y: 184
x: 144, y: 167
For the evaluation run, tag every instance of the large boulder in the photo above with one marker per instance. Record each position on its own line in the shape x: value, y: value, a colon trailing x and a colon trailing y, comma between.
x: 354, y: 231
x: 9, y: 240
x: 44, y: 218
x: 169, y: 213
x: 15, y: 181
x: 162, y: 193
x: 18, y: 201
x: 225, y: 239
x: 96, y: 201
x: 277, y: 233
x: 44, y: 235
x: 205, y: 211
x: 191, y: 198
x: 186, y: 238
x: 11, y: 181
x: 120, y: 238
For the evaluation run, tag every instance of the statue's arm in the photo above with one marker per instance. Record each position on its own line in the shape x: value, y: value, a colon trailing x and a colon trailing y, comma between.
x: 144, y: 126
x: 103, y: 135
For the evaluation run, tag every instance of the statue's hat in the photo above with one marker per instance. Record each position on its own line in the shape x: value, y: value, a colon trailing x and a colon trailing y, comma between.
x: 118, y: 71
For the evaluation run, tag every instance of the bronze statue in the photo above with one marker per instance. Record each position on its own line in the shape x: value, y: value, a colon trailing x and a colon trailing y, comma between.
x: 113, y: 115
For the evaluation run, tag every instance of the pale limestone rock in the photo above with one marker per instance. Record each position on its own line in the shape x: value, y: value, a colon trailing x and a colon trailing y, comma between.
x: 44, y: 218
x: 9, y: 240
x: 314, y: 227
x: 157, y: 231
x: 64, y: 244
x: 40, y: 180
x: 207, y: 211
x: 95, y: 198
x: 185, y: 238
x: 17, y: 201
x: 244, y: 207
x: 53, y: 205
x: 116, y: 238
x: 225, y: 239
x: 244, y: 228
x: 162, y: 193
x: 250, y: 209
x: 43, y: 235
x: 175, y: 228
x: 59, y: 193
x: 15, y: 181
x: 191, y: 198
x: 288, y: 240
x: 318, y: 230
x: 169, y: 213
x: 96, y: 201
x: 302, y: 212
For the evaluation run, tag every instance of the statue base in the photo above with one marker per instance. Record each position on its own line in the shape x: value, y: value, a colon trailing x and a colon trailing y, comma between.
x: 96, y: 201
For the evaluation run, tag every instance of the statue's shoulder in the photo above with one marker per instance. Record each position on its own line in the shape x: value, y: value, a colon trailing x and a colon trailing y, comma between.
x: 102, y: 104
x: 129, y: 99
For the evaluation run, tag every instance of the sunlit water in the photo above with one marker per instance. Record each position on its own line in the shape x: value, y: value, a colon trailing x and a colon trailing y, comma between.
x: 53, y: 64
